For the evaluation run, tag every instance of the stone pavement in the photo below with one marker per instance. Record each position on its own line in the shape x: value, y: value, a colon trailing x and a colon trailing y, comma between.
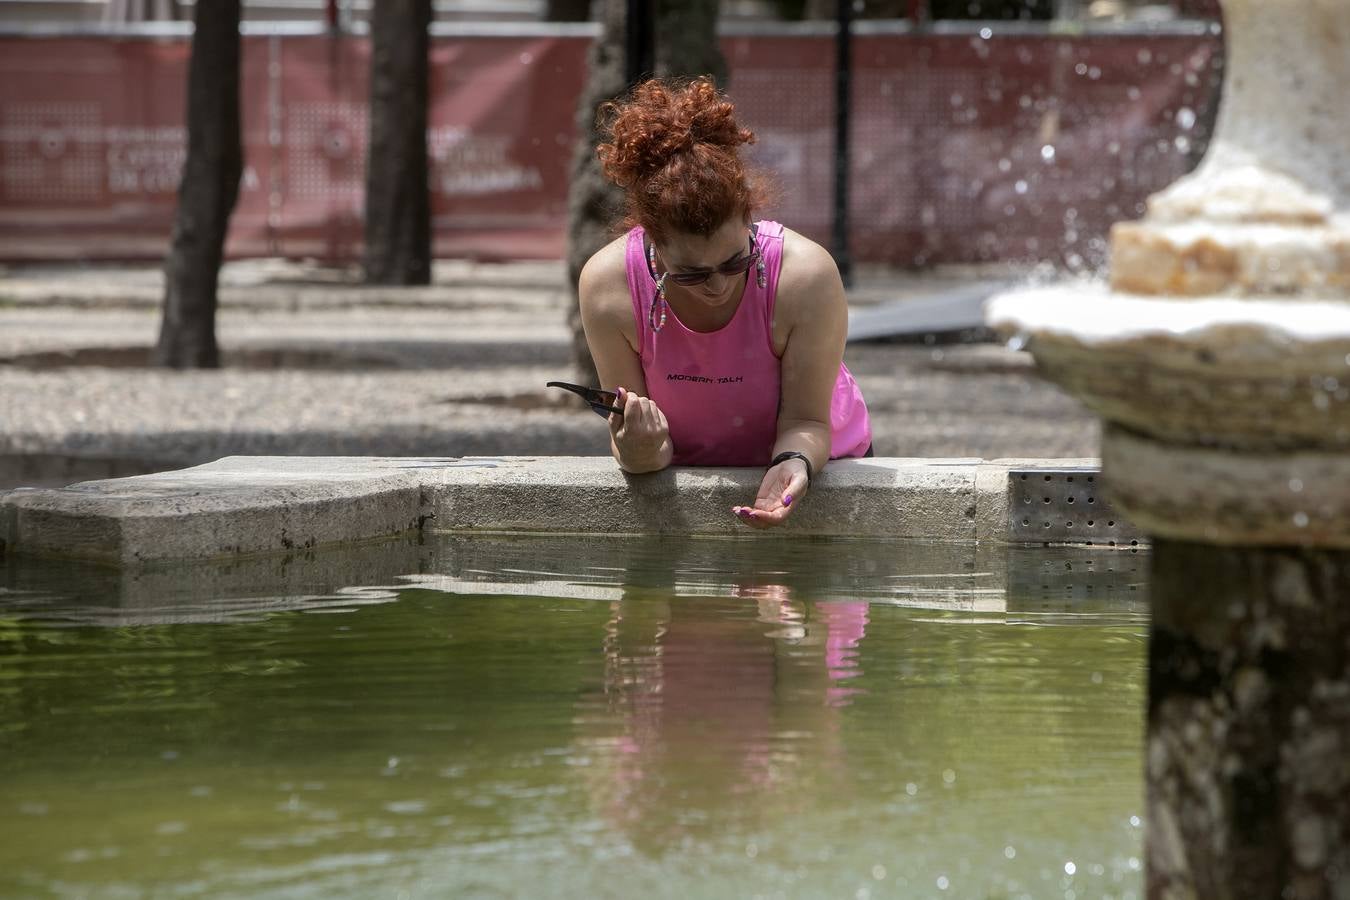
x: 317, y: 364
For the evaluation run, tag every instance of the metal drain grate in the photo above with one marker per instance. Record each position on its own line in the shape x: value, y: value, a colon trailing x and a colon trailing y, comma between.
x: 1064, y: 506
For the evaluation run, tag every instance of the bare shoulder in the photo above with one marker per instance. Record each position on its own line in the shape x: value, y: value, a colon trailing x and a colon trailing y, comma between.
x: 604, y: 278
x: 602, y: 290
x: 809, y: 277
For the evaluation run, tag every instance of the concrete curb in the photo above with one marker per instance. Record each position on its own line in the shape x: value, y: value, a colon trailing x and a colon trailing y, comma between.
x: 249, y: 505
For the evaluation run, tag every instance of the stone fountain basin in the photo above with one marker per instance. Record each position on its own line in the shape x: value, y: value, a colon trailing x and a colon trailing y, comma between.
x: 1258, y: 374
x: 1226, y: 421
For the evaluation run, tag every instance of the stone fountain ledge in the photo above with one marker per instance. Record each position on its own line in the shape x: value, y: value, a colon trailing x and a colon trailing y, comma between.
x: 259, y: 504
x: 1181, y: 382
x: 1078, y: 312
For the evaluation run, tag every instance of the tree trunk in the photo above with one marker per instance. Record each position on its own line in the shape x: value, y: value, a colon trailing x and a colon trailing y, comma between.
x: 936, y: 9
x: 567, y: 11
x: 992, y: 9
x: 686, y: 45
x: 207, y: 192
x: 1249, y: 723
x: 398, y: 202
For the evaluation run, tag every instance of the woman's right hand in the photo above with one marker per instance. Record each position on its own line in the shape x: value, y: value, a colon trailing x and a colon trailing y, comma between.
x: 641, y: 435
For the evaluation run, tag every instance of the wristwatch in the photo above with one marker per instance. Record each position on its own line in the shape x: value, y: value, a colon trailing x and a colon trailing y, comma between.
x: 793, y: 454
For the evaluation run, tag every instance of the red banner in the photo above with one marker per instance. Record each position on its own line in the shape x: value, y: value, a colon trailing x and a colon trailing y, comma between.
x: 965, y: 147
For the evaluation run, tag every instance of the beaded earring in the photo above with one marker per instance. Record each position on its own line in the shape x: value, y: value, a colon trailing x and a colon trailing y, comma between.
x: 660, y: 297
x: 760, y: 278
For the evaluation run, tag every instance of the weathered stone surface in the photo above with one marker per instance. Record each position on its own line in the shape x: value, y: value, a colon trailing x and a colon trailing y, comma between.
x: 1249, y: 723
x: 1268, y: 258
x: 991, y: 498
x: 249, y: 505
x: 1248, y: 374
x: 1266, y: 210
x: 1211, y: 494
x: 895, y: 497
x: 235, y: 506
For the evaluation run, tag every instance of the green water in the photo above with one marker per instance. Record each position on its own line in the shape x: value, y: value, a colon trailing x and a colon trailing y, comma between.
x: 575, y: 718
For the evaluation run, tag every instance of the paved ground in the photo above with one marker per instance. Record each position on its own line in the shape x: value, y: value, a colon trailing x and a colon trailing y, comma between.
x: 318, y: 365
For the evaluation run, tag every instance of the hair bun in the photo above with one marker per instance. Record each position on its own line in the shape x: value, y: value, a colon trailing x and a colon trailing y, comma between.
x: 661, y: 122
x: 674, y: 147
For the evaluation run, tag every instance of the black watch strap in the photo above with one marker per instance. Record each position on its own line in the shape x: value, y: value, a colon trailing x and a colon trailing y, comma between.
x: 793, y: 454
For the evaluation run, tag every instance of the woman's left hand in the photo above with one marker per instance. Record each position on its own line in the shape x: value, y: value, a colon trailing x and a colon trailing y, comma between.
x: 783, y: 486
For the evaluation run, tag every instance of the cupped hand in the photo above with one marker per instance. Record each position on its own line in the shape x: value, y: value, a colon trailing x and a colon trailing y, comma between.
x: 783, y: 486
x: 642, y: 429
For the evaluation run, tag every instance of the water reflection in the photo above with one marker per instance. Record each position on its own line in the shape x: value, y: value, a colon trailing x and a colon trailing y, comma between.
x: 993, y: 579
x: 716, y: 713
x: 528, y: 716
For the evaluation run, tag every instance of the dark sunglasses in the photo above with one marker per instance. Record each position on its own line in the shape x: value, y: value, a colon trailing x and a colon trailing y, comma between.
x: 603, y: 402
x: 738, y: 266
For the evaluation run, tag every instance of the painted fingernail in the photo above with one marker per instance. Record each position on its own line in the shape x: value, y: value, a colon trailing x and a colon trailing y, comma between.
x: 787, y: 499
x: 743, y: 513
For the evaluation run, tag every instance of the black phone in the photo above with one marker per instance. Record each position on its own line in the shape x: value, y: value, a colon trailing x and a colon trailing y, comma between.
x: 602, y: 402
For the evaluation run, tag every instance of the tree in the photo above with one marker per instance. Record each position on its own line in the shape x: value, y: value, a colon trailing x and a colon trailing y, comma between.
x: 935, y: 9
x: 207, y: 192
x: 567, y: 10
x: 398, y: 202
x: 684, y: 38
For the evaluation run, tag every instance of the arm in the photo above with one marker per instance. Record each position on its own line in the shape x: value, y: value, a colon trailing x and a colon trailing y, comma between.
x: 811, y: 325
x: 640, y: 438
x: 812, y: 306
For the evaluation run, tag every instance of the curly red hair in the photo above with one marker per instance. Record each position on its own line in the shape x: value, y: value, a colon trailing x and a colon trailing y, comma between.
x: 674, y: 149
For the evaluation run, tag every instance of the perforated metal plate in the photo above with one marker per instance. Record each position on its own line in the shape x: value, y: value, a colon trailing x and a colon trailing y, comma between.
x: 1064, y: 506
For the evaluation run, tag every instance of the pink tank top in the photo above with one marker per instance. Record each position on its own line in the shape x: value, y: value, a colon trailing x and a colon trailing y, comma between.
x: 720, y: 390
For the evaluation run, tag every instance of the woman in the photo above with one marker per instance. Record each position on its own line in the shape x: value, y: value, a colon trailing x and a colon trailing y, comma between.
x: 723, y: 337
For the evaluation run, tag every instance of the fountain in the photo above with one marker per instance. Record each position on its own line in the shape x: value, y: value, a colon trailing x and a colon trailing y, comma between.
x: 1219, y: 359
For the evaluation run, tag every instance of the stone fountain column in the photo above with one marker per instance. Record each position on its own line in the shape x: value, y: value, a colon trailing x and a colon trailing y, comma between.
x: 1219, y: 359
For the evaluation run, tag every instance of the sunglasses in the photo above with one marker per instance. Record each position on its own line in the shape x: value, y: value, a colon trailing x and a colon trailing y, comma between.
x: 738, y: 266
x: 603, y: 402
